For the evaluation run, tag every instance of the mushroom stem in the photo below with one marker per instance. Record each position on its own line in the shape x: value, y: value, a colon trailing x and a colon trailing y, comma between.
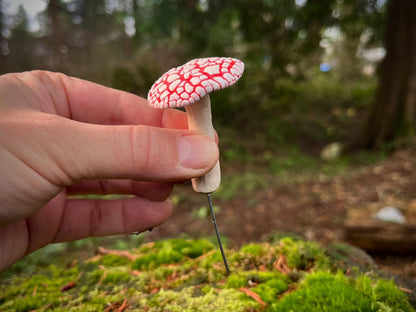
x: 199, y: 119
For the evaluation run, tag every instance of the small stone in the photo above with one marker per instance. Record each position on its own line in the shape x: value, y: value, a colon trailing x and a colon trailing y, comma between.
x: 331, y: 151
x: 391, y: 214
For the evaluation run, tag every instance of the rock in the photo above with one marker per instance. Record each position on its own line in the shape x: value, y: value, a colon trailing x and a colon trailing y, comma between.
x: 390, y: 214
x: 331, y: 151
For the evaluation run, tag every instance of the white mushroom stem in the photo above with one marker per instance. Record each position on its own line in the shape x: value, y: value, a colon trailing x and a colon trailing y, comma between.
x: 199, y: 119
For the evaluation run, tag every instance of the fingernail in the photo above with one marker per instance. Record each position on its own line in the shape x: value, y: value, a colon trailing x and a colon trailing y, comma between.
x: 197, y: 151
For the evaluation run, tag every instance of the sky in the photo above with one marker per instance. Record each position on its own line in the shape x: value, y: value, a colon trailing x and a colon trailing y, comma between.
x: 32, y: 7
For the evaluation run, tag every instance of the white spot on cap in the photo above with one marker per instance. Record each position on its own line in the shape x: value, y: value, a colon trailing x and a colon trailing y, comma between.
x: 235, y: 71
x: 201, y: 91
x: 174, y: 84
x: 195, y: 96
x: 215, y: 85
x: 162, y: 88
x: 206, y: 83
x: 195, y: 81
x: 164, y: 94
x: 189, y: 88
x: 224, y: 83
x: 172, y: 77
x: 184, y: 95
x: 212, y: 70
x: 229, y: 77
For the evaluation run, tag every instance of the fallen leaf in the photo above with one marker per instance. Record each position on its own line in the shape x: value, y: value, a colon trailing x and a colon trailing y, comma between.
x: 281, y: 265
x: 117, y: 307
x: 68, y: 286
x: 123, y: 306
x: 252, y: 295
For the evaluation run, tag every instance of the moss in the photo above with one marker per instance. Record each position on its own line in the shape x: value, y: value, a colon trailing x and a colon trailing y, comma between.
x: 248, y: 278
x: 323, y: 291
x: 271, y: 289
x: 114, y: 260
x: 214, y: 300
x: 188, y: 275
x: 303, y: 255
x: 156, y: 258
x: 385, y: 292
x: 345, y: 256
x: 35, y: 292
x: 118, y: 276
x: 172, y: 251
x: 253, y: 249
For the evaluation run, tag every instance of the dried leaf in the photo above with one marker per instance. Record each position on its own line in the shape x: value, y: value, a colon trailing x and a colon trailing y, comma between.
x: 252, y: 295
x: 281, y: 265
x: 68, y: 286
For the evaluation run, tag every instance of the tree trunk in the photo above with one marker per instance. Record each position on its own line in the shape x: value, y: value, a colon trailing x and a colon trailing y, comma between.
x: 56, y: 36
x: 393, y: 112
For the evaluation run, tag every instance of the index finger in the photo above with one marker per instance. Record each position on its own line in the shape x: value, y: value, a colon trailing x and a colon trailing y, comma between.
x: 95, y: 103
x: 89, y: 102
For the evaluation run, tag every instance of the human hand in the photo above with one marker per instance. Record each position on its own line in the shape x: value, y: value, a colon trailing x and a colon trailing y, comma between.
x: 61, y: 136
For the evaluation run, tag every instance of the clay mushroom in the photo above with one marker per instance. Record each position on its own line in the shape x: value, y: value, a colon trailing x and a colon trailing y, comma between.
x: 188, y: 86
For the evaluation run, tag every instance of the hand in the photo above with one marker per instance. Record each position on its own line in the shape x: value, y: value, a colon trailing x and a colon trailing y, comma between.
x: 61, y: 136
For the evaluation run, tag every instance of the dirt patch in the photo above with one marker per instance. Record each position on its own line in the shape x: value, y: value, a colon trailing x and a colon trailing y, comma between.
x: 315, y: 209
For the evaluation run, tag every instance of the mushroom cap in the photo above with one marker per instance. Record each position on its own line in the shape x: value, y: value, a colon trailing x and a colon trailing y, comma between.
x: 190, y: 82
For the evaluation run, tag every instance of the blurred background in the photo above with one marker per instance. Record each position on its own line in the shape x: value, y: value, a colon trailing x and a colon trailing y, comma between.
x: 316, y: 138
x: 311, y: 66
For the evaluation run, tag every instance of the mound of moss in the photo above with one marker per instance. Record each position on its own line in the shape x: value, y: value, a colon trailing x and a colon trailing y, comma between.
x: 188, y: 275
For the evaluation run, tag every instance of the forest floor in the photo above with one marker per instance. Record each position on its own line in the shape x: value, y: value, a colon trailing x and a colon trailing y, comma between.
x: 314, y: 208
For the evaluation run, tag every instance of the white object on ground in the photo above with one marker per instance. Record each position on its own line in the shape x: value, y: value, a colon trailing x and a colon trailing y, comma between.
x: 391, y: 214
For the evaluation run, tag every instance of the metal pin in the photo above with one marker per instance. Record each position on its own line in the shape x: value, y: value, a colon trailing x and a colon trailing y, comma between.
x: 218, y: 233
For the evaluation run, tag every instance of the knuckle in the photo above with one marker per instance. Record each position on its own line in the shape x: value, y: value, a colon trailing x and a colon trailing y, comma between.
x: 140, y: 143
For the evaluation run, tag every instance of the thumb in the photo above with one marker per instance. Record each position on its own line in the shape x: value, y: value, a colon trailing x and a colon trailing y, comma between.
x: 88, y: 151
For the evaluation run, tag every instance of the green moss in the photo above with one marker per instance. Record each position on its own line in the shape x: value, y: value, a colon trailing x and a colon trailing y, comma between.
x: 32, y: 302
x: 114, y: 260
x: 323, y: 291
x: 303, y: 255
x: 156, y: 258
x: 247, y: 278
x: 188, y: 275
x: 30, y: 293
x: 172, y: 251
x: 188, y: 300
x: 253, y: 249
x: 271, y: 289
x: 385, y: 292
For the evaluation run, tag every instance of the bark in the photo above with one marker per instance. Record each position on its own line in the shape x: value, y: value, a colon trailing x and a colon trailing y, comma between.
x: 393, y: 112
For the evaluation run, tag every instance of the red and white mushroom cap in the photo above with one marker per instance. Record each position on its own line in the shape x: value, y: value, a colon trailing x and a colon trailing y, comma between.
x: 190, y: 82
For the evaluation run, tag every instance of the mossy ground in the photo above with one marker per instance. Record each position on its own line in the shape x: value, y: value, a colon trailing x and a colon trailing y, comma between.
x: 188, y: 275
